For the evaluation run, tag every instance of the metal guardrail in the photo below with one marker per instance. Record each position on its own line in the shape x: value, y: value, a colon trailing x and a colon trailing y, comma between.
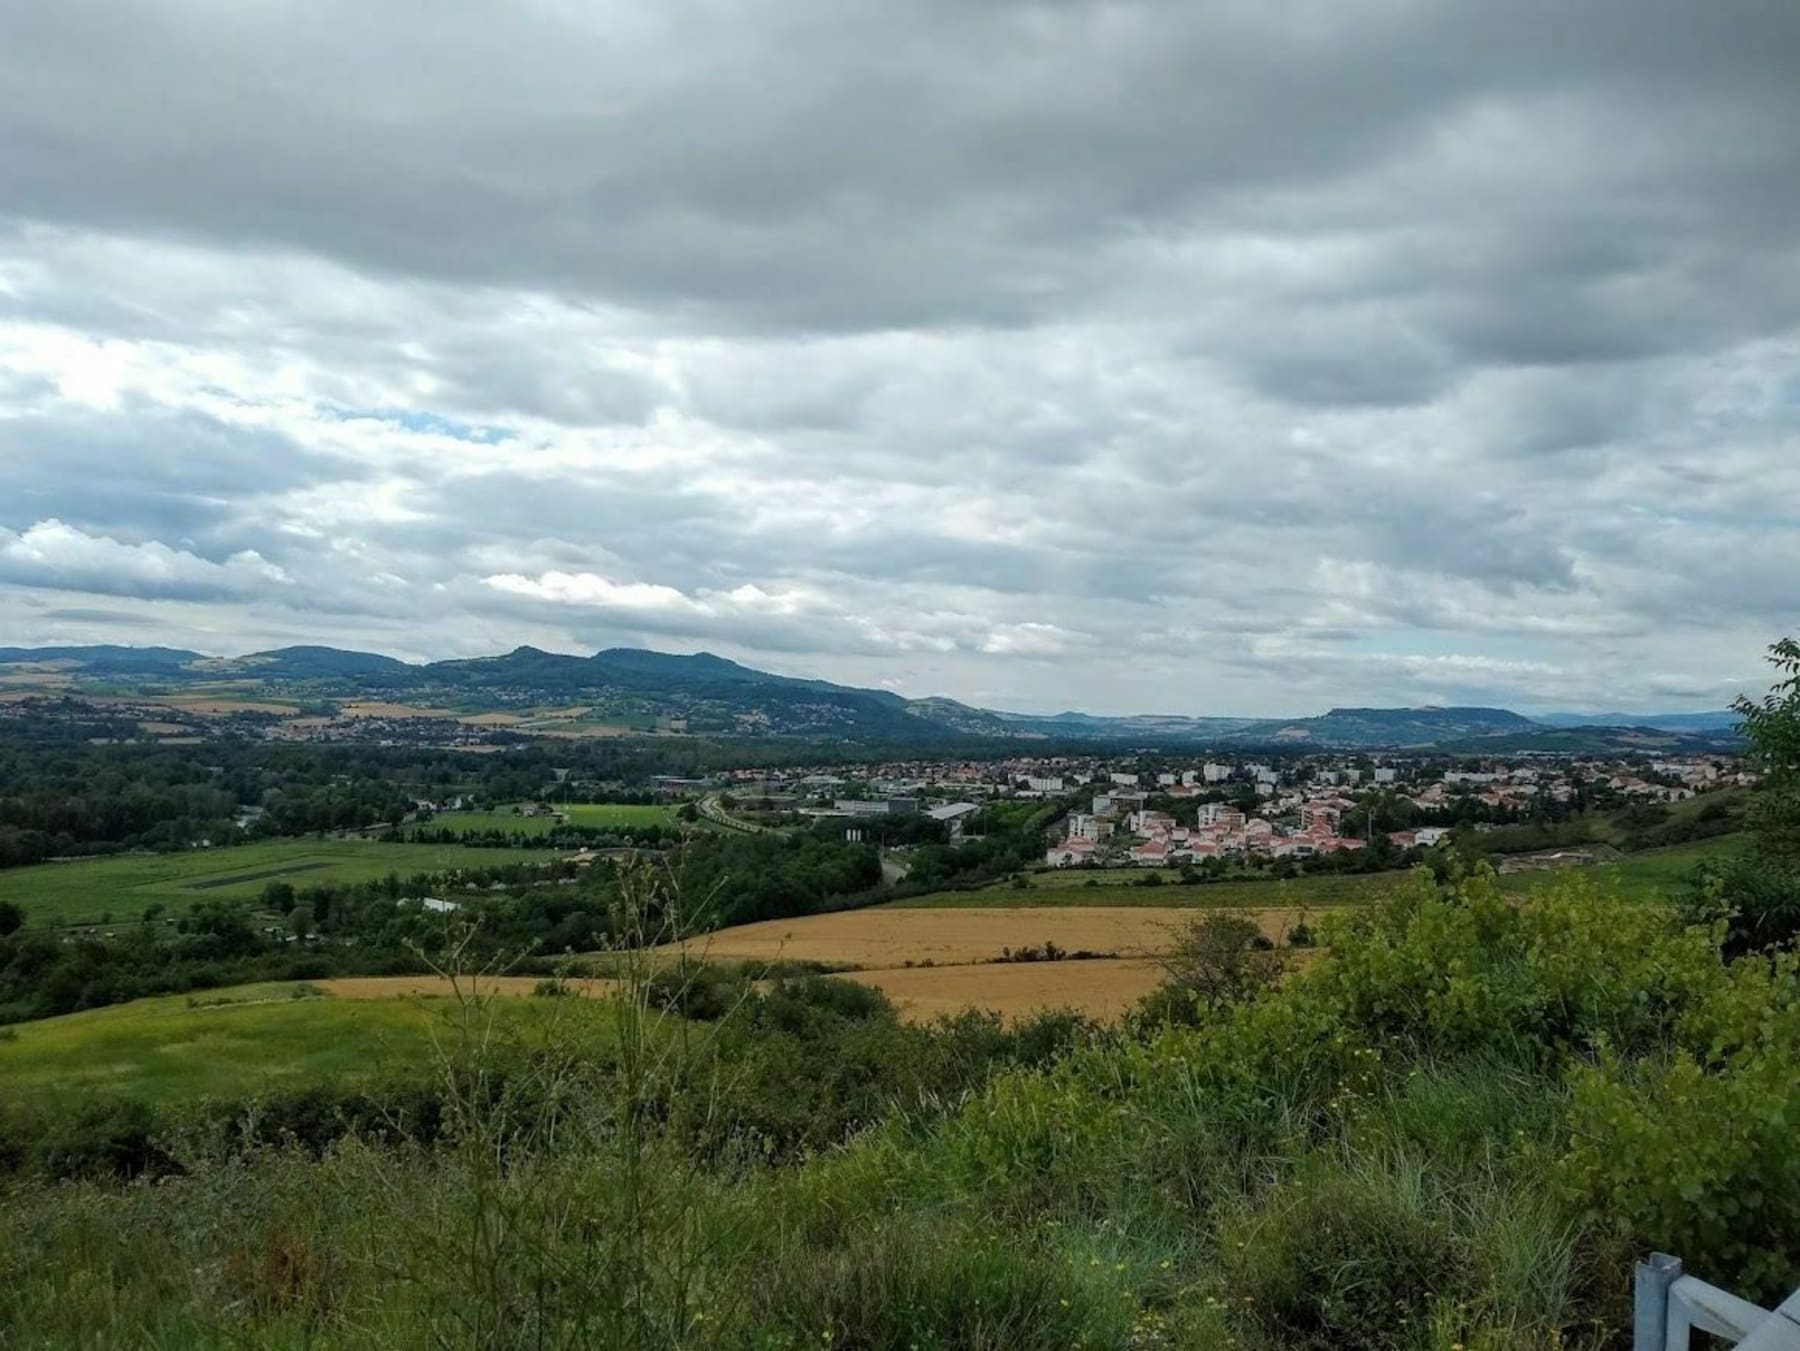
x: 1670, y: 1306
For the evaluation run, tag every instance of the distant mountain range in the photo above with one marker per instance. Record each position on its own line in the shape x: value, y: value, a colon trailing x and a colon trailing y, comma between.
x: 704, y: 693
x: 1722, y: 720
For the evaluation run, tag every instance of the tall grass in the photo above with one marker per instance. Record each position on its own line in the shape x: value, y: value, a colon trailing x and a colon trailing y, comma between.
x: 1381, y: 1153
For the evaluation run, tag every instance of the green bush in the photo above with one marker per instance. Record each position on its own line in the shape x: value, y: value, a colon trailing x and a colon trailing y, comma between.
x: 107, y: 1140
x: 1337, y: 1259
x: 696, y: 990
x: 1472, y: 971
x: 911, y: 1283
x: 1692, y: 1152
x: 1457, y: 1124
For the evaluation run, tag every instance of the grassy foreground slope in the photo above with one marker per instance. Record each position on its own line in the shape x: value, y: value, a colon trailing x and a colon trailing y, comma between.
x: 122, y: 887
x: 1458, y: 1128
x: 236, y: 1043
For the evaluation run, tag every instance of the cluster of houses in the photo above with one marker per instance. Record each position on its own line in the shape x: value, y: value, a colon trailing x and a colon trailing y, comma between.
x: 1120, y: 829
x: 1287, y: 806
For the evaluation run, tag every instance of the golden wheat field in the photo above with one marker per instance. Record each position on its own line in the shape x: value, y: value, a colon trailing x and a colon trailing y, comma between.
x: 221, y: 707
x: 929, y: 962
x: 439, y: 987
x: 1102, y: 989
x: 381, y: 708
x: 884, y: 938
x: 932, y: 962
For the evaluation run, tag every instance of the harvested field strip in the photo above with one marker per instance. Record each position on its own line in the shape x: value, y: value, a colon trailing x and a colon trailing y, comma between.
x: 222, y: 707
x: 1103, y: 990
x: 885, y: 938
x: 440, y: 987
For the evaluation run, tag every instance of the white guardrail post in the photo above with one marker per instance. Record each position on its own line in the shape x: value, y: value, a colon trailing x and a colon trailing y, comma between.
x: 1650, y: 1302
x: 1668, y: 1307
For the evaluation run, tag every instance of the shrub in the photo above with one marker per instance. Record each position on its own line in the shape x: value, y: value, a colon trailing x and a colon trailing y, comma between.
x: 1468, y: 970
x: 107, y: 1140
x: 915, y: 1283
x: 1217, y: 960
x: 696, y: 990
x: 1342, y: 1259
x: 1692, y: 1152
x: 1756, y: 899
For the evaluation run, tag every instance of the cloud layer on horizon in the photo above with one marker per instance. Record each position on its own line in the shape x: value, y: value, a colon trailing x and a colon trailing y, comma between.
x: 1080, y: 353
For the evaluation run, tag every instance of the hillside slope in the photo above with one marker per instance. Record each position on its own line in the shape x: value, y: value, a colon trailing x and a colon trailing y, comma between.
x: 706, y: 693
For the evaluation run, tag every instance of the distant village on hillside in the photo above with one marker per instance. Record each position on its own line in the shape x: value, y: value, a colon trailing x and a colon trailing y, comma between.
x: 1121, y: 814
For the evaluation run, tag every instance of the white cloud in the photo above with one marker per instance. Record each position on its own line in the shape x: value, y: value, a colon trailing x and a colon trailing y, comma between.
x: 54, y: 555
x: 589, y: 589
x: 1152, y: 358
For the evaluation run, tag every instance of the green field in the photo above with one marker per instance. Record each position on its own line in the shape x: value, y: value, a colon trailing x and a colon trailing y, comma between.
x: 86, y: 890
x: 1654, y: 874
x: 591, y: 815
x: 1651, y: 875
x: 1114, y: 888
x: 475, y: 823
x: 245, y: 1040
x: 602, y: 814
x: 1059, y: 879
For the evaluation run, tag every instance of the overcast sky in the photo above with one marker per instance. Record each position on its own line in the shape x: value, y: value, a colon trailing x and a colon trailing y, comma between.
x: 1215, y: 357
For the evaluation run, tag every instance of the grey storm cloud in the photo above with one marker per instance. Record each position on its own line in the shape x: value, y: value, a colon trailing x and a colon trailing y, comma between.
x: 1098, y: 352
x: 140, y: 474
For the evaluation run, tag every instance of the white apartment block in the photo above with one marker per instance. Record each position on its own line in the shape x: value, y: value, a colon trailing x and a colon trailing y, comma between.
x: 1087, y: 826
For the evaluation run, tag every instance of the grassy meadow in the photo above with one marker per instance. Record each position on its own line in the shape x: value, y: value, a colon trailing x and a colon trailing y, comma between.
x: 120, y: 888
x: 1651, y: 875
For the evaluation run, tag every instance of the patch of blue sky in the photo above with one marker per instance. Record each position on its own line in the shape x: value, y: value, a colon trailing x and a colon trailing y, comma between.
x: 430, y: 424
